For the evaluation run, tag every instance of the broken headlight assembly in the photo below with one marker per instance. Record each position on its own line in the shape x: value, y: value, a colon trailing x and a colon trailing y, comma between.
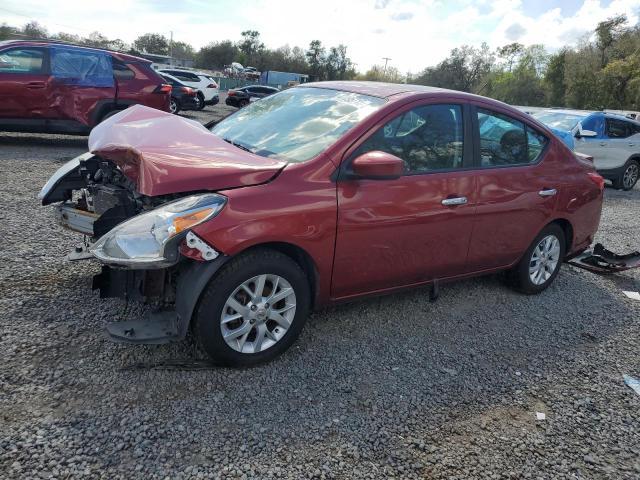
x: 150, y: 240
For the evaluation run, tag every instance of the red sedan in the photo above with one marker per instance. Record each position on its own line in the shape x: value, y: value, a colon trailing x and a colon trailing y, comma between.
x: 318, y: 194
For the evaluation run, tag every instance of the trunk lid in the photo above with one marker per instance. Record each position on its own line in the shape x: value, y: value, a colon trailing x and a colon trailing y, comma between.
x: 163, y: 154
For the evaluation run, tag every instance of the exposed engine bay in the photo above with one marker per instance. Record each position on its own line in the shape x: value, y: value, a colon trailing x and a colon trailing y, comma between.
x: 99, y: 197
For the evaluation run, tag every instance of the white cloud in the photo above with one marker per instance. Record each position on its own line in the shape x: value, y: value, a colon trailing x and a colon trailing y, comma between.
x: 370, y: 28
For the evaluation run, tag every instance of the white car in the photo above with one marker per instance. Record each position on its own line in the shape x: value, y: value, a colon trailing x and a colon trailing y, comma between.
x: 612, y: 140
x: 208, y: 92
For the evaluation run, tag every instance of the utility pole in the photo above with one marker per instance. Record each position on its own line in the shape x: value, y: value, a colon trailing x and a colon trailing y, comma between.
x: 386, y: 60
x: 171, y: 48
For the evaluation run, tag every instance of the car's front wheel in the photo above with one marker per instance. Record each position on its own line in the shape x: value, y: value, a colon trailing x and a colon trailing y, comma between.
x: 541, y: 262
x: 253, y: 310
x: 629, y: 176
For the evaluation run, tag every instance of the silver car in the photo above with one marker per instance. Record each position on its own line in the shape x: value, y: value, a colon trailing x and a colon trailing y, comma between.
x: 612, y: 140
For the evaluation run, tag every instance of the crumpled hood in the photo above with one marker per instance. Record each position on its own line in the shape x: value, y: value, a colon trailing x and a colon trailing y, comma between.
x: 163, y: 153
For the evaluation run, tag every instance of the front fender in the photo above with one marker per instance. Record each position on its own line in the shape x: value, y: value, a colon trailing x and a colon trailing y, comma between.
x: 190, y: 284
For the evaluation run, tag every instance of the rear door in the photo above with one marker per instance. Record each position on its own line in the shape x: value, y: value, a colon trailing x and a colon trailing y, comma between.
x: 25, y: 83
x: 622, y: 142
x: 517, y: 192
x: 82, y: 82
x: 394, y: 233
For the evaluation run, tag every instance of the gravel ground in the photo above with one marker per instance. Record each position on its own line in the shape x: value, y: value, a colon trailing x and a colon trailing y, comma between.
x: 395, y: 387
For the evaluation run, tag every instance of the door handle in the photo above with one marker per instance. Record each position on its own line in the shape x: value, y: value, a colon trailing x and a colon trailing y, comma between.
x: 548, y: 192
x: 631, y: 144
x: 454, y: 201
x: 603, y: 144
x: 35, y: 85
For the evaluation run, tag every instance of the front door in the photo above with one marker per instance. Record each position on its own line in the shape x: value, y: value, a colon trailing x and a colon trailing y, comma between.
x: 394, y: 233
x: 24, y: 83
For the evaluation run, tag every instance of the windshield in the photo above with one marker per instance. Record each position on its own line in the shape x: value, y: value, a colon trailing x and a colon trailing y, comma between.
x: 296, y: 124
x: 561, y: 121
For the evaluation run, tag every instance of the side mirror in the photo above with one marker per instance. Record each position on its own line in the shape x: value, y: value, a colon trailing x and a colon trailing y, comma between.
x: 586, y: 134
x: 377, y: 165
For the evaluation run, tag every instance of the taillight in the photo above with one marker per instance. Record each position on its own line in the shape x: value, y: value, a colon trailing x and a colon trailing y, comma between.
x: 231, y: 93
x: 597, y: 179
x: 212, y: 85
x: 163, y: 88
x: 188, y: 90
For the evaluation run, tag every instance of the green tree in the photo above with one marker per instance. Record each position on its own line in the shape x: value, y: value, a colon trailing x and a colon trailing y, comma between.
x: 7, y: 31
x: 182, y: 51
x: 34, y: 30
x: 316, y: 59
x: 217, y: 55
x: 465, y: 69
x: 152, y: 43
x: 607, y: 34
x: 554, y: 79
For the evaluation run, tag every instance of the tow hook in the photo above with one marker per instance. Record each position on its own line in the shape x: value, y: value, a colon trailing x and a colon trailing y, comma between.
x: 603, y: 261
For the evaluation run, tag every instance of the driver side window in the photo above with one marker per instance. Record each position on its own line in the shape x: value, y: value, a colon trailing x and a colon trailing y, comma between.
x: 428, y: 138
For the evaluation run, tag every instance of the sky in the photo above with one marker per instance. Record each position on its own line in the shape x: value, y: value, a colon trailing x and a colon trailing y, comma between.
x: 414, y: 34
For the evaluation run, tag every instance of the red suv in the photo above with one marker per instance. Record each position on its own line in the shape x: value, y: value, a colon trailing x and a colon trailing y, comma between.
x: 49, y: 87
x: 318, y: 194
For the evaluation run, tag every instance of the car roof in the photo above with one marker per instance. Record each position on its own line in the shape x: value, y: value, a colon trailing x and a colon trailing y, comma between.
x: 186, y: 70
x: 386, y: 90
x: 47, y: 43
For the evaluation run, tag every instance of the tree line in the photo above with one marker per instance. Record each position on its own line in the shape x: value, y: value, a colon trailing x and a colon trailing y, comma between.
x: 602, y: 71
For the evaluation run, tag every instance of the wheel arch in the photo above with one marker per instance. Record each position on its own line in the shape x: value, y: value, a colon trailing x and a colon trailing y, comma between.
x: 298, y: 255
x: 567, y: 228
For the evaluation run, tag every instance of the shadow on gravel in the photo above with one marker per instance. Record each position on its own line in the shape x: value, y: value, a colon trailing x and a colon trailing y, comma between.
x: 42, y: 140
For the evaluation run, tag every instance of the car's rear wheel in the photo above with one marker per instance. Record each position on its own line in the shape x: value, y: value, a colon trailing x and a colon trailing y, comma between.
x: 541, y: 262
x: 629, y: 176
x: 253, y: 310
x: 201, y: 103
x: 174, y: 105
x: 243, y: 103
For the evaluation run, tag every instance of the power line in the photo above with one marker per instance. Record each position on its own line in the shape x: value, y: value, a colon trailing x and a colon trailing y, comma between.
x: 32, y: 17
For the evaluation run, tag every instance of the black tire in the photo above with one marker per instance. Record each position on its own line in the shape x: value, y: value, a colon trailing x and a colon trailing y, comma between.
x: 201, y: 103
x: 243, y: 103
x: 629, y: 176
x: 108, y: 115
x: 519, y: 277
x: 207, y: 317
x: 174, y: 105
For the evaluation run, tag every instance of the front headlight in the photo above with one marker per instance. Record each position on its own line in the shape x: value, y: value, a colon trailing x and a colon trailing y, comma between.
x: 151, y: 239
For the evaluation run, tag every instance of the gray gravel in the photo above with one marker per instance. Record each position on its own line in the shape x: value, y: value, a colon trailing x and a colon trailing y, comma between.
x: 394, y: 387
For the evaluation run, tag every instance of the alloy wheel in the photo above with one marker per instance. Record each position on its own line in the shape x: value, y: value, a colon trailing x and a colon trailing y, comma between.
x: 630, y: 176
x: 544, y: 260
x: 173, y: 106
x: 258, y: 313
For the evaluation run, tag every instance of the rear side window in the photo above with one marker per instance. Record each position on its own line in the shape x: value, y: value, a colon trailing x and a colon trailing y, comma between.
x: 428, y: 138
x: 121, y: 71
x: 22, y: 60
x: 505, y: 141
x: 618, y: 128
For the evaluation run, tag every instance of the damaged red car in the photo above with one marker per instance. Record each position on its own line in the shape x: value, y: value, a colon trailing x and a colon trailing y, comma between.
x: 321, y: 193
x: 55, y: 87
